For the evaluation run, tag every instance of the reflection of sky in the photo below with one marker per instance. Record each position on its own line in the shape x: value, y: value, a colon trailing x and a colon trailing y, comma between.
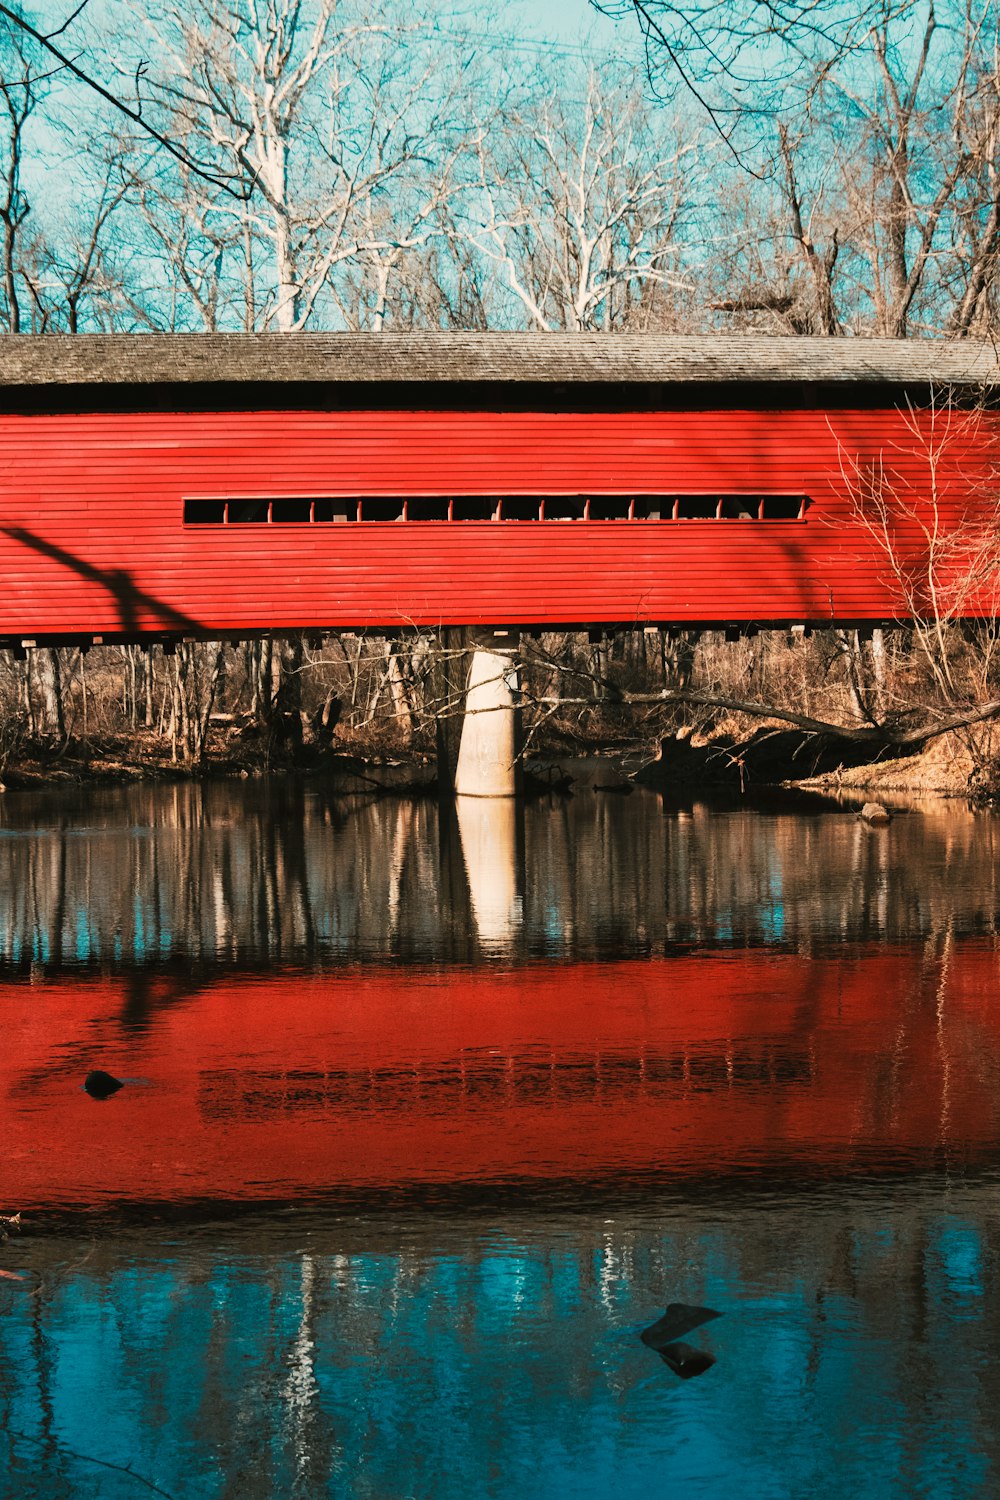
x: 849, y: 1359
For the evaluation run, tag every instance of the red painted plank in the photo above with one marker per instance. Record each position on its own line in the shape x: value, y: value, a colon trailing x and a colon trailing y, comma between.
x: 102, y: 498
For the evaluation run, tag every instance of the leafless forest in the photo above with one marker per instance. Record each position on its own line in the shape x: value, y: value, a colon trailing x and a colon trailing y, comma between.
x: 314, y: 164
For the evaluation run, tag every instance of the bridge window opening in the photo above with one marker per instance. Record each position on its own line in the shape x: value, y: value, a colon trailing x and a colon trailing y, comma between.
x: 608, y: 508
x: 652, y: 508
x: 337, y: 510
x: 204, y: 512
x: 783, y: 507
x: 739, y: 508
x: 696, y: 508
x: 520, y: 508
x: 428, y: 508
x: 298, y: 510
x: 475, y: 508
x: 382, y: 508
x: 291, y: 512
x: 248, y: 512
x: 564, y: 508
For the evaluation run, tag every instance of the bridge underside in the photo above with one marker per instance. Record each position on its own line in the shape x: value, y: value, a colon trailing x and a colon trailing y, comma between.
x: 503, y: 634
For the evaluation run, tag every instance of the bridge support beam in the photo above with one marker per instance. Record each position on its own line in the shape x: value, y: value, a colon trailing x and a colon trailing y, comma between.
x: 479, y: 730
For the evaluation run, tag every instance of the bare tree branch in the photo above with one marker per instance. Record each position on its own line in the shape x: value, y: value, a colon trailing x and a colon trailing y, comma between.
x: 881, y: 735
x: 237, y: 187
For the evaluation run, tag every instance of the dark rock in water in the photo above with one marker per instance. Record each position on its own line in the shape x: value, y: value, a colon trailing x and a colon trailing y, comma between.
x: 101, y: 1085
x: 685, y: 1361
x: 678, y: 1319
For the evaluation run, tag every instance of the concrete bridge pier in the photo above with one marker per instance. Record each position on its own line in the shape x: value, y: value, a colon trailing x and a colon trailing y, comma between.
x: 479, y: 726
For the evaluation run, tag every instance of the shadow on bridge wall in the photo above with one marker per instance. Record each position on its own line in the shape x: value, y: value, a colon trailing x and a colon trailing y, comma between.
x: 134, y: 605
x: 805, y: 558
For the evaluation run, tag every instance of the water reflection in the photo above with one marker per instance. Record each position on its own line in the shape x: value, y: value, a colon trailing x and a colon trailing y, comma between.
x: 375, y: 1080
x: 336, y: 1008
x: 856, y: 1354
x: 490, y: 832
x: 316, y: 1000
x: 281, y: 873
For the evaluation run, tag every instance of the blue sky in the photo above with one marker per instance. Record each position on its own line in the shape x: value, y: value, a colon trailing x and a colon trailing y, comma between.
x: 569, y: 25
x: 569, y: 21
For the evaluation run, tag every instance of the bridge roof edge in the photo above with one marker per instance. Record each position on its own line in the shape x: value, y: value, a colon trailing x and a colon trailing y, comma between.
x: 74, y: 360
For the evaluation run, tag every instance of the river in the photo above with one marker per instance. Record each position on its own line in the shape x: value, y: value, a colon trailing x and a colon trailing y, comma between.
x: 427, y: 1113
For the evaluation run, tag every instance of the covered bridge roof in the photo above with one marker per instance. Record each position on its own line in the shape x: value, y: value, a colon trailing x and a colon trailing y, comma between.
x: 80, y: 361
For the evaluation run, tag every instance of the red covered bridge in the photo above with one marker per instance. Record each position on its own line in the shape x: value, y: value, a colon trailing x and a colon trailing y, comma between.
x: 224, y: 485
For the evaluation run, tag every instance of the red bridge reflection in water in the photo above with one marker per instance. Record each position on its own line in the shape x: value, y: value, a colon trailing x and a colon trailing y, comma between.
x: 301, y: 1085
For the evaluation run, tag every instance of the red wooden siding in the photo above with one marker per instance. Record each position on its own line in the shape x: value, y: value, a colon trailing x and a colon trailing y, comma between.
x: 92, y: 538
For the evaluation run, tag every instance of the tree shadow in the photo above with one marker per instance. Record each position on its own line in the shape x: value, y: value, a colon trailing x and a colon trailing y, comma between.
x: 132, y: 602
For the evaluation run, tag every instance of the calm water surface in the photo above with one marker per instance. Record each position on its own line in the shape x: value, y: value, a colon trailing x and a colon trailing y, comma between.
x: 428, y: 1115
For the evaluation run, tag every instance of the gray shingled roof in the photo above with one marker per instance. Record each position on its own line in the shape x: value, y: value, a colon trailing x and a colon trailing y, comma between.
x: 150, y: 359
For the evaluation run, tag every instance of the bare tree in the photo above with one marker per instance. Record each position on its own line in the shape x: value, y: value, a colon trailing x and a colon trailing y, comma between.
x: 875, y: 190
x: 194, y: 243
x: 348, y: 124
x: 237, y: 80
x: 48, y: 47
x: 581, y: 210
x: 22, y: 84
x: 403, y: 200
x: 72, y: 273
x: 934, y: 521
x: 918, y: 166
x: 744, y: 61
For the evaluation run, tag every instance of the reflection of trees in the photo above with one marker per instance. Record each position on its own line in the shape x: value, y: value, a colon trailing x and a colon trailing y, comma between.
x: 237, y: 875
x: 462, y: 1349
x: 636, y: 879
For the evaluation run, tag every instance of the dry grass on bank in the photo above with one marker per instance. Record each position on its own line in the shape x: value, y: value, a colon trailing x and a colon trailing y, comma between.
x: 946, y: 767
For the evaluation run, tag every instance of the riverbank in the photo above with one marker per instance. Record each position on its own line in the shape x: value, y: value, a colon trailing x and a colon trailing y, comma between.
x: 944, y: 768
x: 123, y: 760
x: 770, y: 756
x: 776, y: 756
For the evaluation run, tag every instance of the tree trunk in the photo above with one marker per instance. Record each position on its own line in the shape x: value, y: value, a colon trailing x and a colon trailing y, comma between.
x: 48, y: 677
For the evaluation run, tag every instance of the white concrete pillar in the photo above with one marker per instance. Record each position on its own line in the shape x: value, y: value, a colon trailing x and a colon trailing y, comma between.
x: 488, y: 764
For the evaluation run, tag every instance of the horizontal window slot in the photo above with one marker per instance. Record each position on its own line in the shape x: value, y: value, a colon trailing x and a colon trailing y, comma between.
x: 563, y: 508
x: 782, y: 507
x: 696, y: 508
x: 333, y: 510
x: 474, y: 507
x: 382, y: 508
x: 428, y: 508
x: 739, y: 508
x: 609, y: 508
x: 204, y: 512
x: 302, y: 510
x: 248, y: 512
x: 291, y: 512
x: 520, y: 508
x: 653, y: 508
